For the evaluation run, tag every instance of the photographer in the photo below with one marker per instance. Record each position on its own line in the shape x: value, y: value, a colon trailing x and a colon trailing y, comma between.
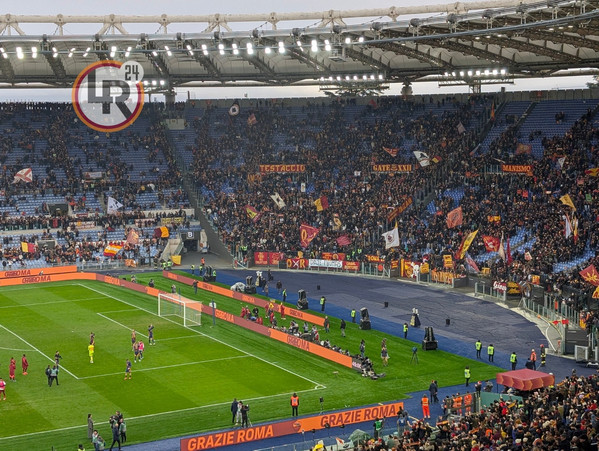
x: 245, y: 415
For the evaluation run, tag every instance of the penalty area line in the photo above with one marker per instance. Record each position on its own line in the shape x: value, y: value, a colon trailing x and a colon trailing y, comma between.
x: 177, y: 365
x: 316, y: 384
x: 37, y: 350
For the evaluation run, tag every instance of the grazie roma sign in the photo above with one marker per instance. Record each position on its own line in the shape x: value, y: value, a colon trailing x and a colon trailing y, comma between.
x: 298, y: 425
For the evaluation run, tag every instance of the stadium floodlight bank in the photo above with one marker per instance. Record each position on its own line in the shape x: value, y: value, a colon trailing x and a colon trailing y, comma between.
x: 180, y: 306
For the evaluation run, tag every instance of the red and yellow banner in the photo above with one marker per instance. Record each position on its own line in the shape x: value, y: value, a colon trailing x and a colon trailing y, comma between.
x: 392, y: 167
x: 590, y: 275
x: 465, y: 245
x: 282, y: 168
x: 442, y: 276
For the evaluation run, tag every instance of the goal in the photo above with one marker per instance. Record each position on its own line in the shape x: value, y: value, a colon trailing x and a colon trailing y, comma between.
x: 180, y: 306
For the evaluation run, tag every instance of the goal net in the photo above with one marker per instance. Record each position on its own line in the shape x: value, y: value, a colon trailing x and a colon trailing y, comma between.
x: 188, y: 310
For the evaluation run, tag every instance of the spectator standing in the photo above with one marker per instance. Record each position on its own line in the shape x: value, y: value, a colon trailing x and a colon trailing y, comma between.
x: 342, y: 326
x: 123, y: 430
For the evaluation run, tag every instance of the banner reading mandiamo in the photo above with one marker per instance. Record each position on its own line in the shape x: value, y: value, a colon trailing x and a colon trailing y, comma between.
x: 298, y: 425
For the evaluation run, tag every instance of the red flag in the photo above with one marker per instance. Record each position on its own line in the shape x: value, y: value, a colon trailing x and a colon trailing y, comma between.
x: 307, y: 234
x: 593, y: 172
x: 493, y: 112
x: 491, y: 243
x: 454, y: 218
x: 391, y: 150
x: 344, y: 240
x: 590, y: 275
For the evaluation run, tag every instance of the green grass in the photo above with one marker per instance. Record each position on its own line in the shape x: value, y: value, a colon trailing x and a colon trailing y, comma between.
x: 185, y: 383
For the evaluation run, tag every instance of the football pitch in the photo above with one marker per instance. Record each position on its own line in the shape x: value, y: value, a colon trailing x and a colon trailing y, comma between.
x: 187, y: 380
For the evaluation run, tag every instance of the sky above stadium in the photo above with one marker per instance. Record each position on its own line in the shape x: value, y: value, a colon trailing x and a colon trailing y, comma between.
x: 186, y: 7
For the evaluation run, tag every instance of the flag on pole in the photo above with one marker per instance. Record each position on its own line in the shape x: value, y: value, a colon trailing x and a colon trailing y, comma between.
x: 338, y: 225
x: 344, y: 240
x: 491, y: 243
x: 307, y: 234
x: 560, y: 163
x: 501, y: 250
x: 112, y: 249
x: 422, y: 158
x: 161, y: 232
x: 567, y: 227
x: 391, y: 238
x: 466, y: 245
x: 509, y: 260
x: 470, y: 261
x: 493, y: 112
x: 278, y: 200
x: 113, y: 205
x: 322, y: 203
x: 567, y: 200
x: 590, y: 275
x: 575, y: 229
x: 24, y: 175
x: 391, y: 150
x: 29, y: 248
x: 133, y: 236
x: 455, y: 218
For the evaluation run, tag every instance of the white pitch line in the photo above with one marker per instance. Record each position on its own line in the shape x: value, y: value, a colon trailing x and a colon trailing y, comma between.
x: 143, y: 417
x: 168, y: 366
x: 36, y: 349
x: 208, y: 336
x: 18, y: 350
x: 121, y: 324
x: 35, y: 304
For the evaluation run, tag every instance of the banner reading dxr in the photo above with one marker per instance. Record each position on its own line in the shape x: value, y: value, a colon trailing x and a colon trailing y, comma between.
x: 108, y: 95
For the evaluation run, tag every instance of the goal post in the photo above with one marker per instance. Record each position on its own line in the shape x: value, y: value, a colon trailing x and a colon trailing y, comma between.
x: 188, y: 310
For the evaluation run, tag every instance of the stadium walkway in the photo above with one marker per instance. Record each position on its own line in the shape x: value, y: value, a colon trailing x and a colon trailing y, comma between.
x: 471, y: 318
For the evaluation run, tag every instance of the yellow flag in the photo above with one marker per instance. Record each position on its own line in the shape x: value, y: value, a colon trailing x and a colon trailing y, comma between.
x: 566, y: 200
x: 466, y: 244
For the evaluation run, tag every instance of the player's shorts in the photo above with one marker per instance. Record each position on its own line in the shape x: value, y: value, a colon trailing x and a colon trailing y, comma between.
x: 136, y: 351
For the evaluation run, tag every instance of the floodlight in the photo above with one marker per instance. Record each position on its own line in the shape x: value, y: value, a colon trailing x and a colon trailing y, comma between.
x: 314, y: 47
x: 168, y: 50
x: 84, y: 55
x: 267, y: 50
x: 34, y: 52
x: 281, y: 47
x: 327, y: 45
x: 250, y: 48
x: 348, y: 40
x: 20, y: 53
x: 205, y: 49
x: 113, y: 51
x: 221, y: 48
x: 235, y: 49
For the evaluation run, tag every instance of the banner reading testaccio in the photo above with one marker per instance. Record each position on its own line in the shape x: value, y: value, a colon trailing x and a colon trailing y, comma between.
x: 281, y: 168
x: 298, y: 425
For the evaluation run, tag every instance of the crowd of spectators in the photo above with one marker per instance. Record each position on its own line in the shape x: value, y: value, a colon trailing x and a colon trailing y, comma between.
x: 563, y: 417
x: 338, y: 154
x: 62, y: 152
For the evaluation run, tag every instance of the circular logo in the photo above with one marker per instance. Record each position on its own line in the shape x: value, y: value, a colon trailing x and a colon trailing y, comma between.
x: 108, y: 95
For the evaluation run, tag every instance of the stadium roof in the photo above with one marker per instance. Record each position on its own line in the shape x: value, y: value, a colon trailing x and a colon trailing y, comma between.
x: 462, y: 43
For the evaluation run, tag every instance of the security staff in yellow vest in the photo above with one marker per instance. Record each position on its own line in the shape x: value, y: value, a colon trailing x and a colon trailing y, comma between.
x: 405, y: 330
x: 478, y: 345
x: 353, y: 315
x: 490, y: 352
x: 513, y: 360
x: 467, y: 375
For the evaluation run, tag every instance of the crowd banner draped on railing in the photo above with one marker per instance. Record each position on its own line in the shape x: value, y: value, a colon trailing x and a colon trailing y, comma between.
x: 288, y: 427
